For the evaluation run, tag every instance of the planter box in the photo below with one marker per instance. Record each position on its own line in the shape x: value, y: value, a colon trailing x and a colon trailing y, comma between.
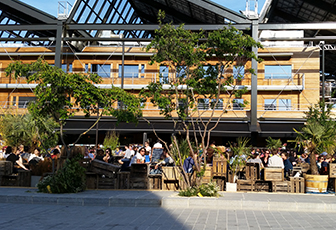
x: 231, y: 187
x: 316, y: 183
x: 273, y: 174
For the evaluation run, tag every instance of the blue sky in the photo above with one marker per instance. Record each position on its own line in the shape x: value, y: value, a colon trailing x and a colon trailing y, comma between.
x: 50, y: 6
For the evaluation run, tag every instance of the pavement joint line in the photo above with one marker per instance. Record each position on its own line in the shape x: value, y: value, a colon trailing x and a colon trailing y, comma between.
x: 164, y: 199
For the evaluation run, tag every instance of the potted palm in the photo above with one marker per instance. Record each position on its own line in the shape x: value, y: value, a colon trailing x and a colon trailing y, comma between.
x: 318, y: 135
x: 240, y: 151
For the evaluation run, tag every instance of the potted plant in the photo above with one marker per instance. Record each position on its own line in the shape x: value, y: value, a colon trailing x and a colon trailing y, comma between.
x: 240, y: 152
x: 318, y: 135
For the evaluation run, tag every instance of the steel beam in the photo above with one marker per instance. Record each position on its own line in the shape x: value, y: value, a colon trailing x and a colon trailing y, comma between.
x: 37, y: 27
x: 151, y: 27
x: 59, y: 44
x: 254, y: 82
x: 299, y: 26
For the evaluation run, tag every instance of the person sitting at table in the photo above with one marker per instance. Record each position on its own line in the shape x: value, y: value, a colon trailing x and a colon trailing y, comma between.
x: 35, y: 157
x: 325, y: 165
x: 276, y: 161
x: 139, y: 157
x: 287, y: 164
x: 255, y: 158
x: 108, y: 156
x: 266, y: 158
x: 189, y: 163
x: 167, y: 161
x: 15, y: 158
x: 100, y: 155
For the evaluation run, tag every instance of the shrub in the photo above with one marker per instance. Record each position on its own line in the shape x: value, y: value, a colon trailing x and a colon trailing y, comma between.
x: 69, y: 179
x: 211, y: 189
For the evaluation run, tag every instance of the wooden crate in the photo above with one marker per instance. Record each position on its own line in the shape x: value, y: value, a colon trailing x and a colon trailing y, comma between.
x: 123, y: 180
x: 139, y: 176
x: 103, y: 168
x: 263, y: 186
x: 24, y: 178
x: 91, y: 180
x: 252, y: 171
x: 10, y: 180
x: 207, y: 175
x: 155, y: 181
x: 220, y: 181
x: 332, y: 170
x: 6, y: 168
x: 219, y: 167
x: 245, y: 185
x: 107, y: 183
x: 273, y: 174
x: 297, y: 185
x: 170, y: 178
x: 85, y: 163
x: 280, y: 186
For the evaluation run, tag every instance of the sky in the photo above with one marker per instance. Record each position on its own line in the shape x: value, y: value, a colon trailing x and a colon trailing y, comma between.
x: 50, y: 6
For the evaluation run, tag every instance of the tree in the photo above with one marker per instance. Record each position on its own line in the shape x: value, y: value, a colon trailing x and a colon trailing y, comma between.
x: 58, y: 93
x: 318, y: 134
x: 198, y: 94
x: 24, y: 129
x: 273, y: 144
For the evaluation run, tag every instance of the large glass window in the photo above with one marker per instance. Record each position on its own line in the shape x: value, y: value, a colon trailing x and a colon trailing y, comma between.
x: 24, y: 101
x: 103, y: 70
x: 164, y: 74
x: 285, y: 104
x: 270, y: 104
x: 238, y: 104
x: 278, y: 72
x: 203, y: 104
x: 130, y: 71
x: 181, y: 71
x: 218, y: 106
x: 238, y: 72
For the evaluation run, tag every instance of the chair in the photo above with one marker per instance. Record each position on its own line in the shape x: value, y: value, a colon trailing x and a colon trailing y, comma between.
x: 219, y: 171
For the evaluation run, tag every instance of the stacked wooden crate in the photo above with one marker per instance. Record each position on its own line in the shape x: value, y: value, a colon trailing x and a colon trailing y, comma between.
x: 170, y: 178
x: 139, y: 176
x: 252, y: 174
x: 297, y: 185
x: 107, y: 174
x: 219, y: 172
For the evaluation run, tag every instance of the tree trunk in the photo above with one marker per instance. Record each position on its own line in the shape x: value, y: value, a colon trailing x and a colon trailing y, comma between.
x: 313, y: 165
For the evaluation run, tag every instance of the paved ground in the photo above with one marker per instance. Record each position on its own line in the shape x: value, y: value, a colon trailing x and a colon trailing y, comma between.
x: 168, y: 199
x: 35, y: 216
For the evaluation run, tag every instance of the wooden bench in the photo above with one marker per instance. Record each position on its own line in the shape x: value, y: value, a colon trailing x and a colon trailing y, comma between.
x: 22, y: 179
x: 170, y: 178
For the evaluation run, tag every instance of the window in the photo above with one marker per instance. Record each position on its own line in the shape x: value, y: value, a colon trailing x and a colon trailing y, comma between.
x: 14, y: 101
x: 270, y: 104
x: 130, y: 71
x: 164, y: 74
x: 67, y: 68
x: 219, y: 105
x: 285, y: 104
x: 24, y: 101
x: 278, y: 72
x: 238, y: 72
x: 203, y: 104
x: 181, y: 71
x: 103, y: 70
x: 238, y: 104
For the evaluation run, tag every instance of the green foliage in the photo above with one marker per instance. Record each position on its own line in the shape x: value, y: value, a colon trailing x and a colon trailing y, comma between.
x: 57, y: 93
x: 211, y: 190
x: 241, y: 151
x: 318, y: 134
x: 69, y: 179
x: 183, y: 146
x: 111, y: 140
x: 273, y: 144
x: 28, y: 130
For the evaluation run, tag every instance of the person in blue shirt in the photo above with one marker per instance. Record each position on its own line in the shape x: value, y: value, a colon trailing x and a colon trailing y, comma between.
x: 288, y: 165
x: 189, y: 163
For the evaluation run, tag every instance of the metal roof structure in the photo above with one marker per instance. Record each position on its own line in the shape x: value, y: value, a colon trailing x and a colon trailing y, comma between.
x: 305, y: 11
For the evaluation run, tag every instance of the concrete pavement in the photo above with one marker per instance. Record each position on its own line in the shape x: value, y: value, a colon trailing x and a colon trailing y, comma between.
x: 170, y: 199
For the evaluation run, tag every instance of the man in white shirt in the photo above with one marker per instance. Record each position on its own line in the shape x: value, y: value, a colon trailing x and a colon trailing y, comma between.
x: 129, y: 152
x: 157, y: 145
x: 276, y: 161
